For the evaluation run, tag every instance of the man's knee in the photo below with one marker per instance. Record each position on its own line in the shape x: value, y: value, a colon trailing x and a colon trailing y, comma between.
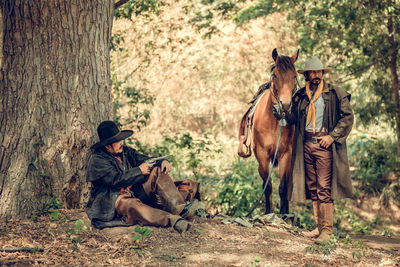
x: 156, y: 170
x: 324, y: 196
x: 313, y: 195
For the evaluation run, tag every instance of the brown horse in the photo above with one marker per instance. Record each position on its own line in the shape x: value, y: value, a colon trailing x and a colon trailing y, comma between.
x: 266, y: 128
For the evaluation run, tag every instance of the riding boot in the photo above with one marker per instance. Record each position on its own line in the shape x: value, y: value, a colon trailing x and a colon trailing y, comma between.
x: 325, y: 218
x: 314, y: 233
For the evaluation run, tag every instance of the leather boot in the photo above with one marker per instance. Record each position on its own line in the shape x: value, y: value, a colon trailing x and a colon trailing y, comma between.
x: 182, y: 226
x: 314, y: 233
x: 162, y: 187
x: 325, y: 217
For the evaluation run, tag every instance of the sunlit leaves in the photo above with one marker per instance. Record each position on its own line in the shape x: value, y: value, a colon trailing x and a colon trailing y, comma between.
x: 136, y: 8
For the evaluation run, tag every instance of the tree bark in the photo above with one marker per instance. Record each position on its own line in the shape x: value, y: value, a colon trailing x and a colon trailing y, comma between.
x: 55, y: 89
x: 394, y: 51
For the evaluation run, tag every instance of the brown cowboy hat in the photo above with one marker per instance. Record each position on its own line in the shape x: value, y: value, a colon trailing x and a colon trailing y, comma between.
x: 313, y: 63
x: 109, y: 133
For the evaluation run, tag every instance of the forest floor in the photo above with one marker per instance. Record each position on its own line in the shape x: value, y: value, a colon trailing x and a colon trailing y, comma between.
x: 212, y: 242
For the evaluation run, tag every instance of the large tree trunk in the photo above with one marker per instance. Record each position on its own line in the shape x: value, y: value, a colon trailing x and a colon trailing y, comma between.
x: 394, y: 51
x: 55, y: 89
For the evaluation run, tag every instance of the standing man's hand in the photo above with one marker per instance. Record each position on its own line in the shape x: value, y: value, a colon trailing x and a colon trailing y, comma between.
x: 145, y: 168
x: 165, y: 166
x: 326, y: 141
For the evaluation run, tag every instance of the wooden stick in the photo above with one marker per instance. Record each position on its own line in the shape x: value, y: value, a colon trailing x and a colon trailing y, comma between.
x: 22, y: 249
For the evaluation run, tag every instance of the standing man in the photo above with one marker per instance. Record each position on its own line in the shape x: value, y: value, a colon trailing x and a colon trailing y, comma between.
x: 126, y: 190
x: 323, y: 119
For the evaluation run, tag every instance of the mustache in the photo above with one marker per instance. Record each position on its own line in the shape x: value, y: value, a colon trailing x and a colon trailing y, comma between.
x: 316, y: 80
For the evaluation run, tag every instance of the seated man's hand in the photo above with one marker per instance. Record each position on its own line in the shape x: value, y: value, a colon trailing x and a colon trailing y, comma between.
x: 145, y: 168
x: 165, y: 166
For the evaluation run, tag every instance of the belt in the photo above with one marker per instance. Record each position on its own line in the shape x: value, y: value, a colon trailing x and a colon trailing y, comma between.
x: 313, y: 137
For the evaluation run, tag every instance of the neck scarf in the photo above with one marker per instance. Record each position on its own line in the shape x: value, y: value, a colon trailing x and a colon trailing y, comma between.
x: 311, y: 107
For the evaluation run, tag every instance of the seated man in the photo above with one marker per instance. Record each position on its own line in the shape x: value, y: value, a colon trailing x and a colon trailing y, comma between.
x: 126, y: 190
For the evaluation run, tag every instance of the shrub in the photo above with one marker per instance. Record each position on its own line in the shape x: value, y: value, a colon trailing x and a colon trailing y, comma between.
x: 373, y: 159
x: 239, y: 190
x: 189, y: 156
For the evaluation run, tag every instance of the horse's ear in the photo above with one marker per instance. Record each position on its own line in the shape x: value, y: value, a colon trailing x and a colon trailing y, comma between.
x: 275, y: 55
x: 295, y: 56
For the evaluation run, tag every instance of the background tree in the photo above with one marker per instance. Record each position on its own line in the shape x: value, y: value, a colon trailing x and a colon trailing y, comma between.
x: 55, y: 88
x: 360, y: 38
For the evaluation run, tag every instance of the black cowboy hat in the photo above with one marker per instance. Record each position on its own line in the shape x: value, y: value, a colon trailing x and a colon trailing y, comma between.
x: 109, y: 133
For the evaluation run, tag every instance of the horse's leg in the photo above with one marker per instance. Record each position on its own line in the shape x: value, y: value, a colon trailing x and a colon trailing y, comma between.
x: 268, y: 196
x: 263, y: 169
x: 284, y: 172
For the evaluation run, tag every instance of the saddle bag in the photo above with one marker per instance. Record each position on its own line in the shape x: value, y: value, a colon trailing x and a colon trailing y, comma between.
x: 189, y: 189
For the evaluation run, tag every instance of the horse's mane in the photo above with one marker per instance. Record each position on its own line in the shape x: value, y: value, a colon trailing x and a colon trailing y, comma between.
x: 284, y: 63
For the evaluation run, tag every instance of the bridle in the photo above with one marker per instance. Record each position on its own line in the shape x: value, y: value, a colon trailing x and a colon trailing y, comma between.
x: 276, y: 95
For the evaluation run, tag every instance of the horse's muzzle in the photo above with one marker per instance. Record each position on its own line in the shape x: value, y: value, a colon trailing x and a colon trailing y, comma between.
x: 286, y: 107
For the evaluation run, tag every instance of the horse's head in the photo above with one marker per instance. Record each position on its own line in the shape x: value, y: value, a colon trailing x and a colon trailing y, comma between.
x: 283, y: 78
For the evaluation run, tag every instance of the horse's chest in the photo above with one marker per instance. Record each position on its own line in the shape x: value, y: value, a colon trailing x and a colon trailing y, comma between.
x: 284, y: 147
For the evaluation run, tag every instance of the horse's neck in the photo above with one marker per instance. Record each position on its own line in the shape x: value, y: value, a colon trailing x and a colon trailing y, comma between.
x: 266, y: 105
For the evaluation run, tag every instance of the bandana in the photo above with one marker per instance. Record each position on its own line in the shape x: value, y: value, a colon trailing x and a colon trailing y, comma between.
x: 311, y: 107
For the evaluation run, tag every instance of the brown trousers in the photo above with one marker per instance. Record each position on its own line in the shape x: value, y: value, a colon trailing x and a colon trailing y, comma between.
x: 163, y: 211
x: 318, y: 170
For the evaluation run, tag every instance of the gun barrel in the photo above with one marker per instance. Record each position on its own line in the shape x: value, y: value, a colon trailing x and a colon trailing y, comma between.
x: 152, y: 161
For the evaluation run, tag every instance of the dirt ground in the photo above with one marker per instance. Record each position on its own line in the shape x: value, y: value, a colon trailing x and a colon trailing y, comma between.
x: 210, y: 243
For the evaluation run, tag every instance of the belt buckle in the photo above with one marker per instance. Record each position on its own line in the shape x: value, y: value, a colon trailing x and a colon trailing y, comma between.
x: 314, y: 140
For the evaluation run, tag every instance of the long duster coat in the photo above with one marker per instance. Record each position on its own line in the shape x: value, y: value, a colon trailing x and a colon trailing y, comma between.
x: 108, y: 176
x: 338, y: 120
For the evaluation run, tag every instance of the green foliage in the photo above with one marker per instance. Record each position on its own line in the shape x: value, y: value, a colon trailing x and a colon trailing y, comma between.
x: 305, y: 214
x: 138, y: 100
x: 167, y: 257
x: 358, y: 249
x: 75, y: 234
x: 258, y: 9
x: 198, y: 230
x: 138, y: 251
x: 239, y: 189
x: 51, y: 208
x: 257, y: 260
x: 138, y: 8
x: 203, y: 13
x: 389, y: 193
x: 116, y: 40
x: 186, y: 153
x: 325, y: 247
x: 388, y: 232
x: 358, y: 225
x: 141, y: 233
x: 373, y: 159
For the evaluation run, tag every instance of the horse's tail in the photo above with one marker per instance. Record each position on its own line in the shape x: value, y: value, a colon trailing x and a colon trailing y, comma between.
x: 244, y: 137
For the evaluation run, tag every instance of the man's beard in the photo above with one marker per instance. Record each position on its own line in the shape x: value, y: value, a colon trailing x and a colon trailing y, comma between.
x: 316, y: 81
x: 119, y: 154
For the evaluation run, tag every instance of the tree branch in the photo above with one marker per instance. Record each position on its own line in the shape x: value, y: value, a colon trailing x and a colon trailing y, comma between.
x: 22, y: 249
x: 120, y: 3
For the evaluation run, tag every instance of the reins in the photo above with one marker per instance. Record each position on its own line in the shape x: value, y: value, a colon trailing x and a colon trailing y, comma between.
x: 270, y: 172
x: 282, y: 122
